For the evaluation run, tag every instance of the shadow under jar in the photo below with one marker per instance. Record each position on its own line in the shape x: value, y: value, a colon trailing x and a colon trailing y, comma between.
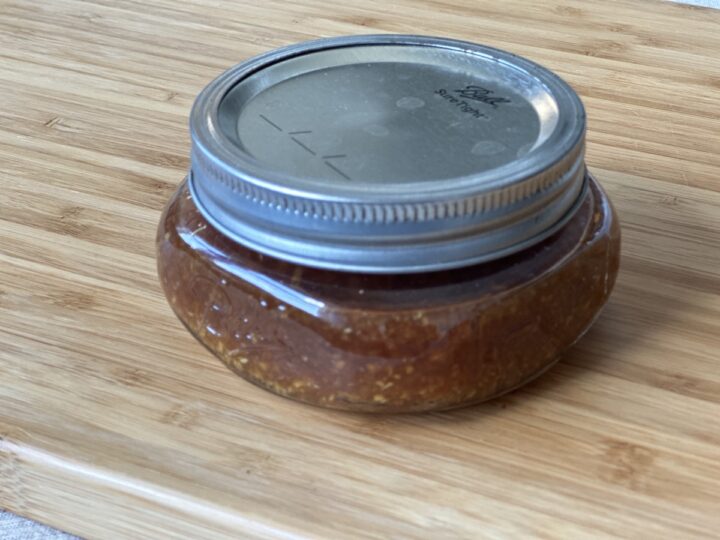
x: 388, y: 223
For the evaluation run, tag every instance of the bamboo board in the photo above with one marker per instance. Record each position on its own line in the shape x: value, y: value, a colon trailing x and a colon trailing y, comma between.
x: 115, y: 423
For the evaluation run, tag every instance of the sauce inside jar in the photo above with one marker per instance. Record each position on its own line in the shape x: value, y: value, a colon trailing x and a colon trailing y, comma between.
x: 388, y: 223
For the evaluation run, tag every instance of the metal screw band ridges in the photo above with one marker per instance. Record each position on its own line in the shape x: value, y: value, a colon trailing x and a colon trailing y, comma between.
x: 386, y: 213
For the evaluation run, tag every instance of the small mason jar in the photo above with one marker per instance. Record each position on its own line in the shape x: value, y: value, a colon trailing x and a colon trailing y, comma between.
x: 388, y: 223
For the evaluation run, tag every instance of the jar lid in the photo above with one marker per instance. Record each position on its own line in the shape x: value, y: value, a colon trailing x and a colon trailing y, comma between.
x: 387, y: 153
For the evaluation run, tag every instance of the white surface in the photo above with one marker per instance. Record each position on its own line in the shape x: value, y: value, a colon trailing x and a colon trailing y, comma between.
x: 13, y: 527
x: 704, y: 3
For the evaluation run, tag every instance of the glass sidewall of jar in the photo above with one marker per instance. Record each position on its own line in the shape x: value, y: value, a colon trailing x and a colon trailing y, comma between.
x: 270, y: 330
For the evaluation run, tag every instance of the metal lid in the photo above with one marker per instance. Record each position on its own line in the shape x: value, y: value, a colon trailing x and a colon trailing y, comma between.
x: 388, y: 153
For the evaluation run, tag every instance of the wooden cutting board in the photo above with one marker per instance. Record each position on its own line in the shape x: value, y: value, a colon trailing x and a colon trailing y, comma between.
x: 115, y: 423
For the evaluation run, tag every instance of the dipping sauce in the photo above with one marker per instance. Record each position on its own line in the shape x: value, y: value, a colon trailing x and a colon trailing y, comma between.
x: 388, y: 223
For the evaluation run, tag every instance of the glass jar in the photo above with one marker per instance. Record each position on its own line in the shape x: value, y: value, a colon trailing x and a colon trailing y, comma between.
x: 388, y: 223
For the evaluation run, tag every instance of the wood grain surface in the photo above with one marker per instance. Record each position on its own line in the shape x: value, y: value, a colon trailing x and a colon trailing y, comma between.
x: 115, y: 423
